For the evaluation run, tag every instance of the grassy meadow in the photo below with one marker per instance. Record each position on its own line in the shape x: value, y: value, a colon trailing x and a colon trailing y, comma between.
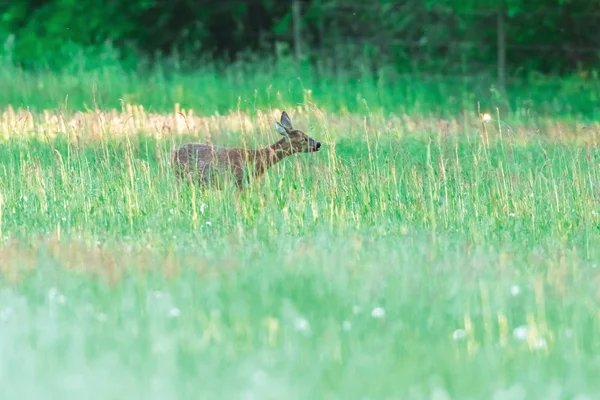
x: 418, y: 255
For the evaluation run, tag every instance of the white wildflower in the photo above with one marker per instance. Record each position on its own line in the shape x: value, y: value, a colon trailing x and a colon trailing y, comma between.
x: 301, y: 325
x: 53, y: 293
x: 202, y: 208
x: 174, y: 312
x: 378, y: 312
x: 485, y: 117
x: 520, y: 333
x: 515, y: 290
x: 459, y: 334
x: 540, y: 344
x: 346, y: 325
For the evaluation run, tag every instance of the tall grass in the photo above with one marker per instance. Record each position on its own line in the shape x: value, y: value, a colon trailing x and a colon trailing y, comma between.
x: 257, y: 84
x: 411, y: 257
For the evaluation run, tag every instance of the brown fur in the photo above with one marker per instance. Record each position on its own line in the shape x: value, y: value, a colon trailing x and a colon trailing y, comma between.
x: 211, y: 163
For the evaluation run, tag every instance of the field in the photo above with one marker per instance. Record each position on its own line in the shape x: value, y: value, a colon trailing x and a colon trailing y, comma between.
x: 418, y: 255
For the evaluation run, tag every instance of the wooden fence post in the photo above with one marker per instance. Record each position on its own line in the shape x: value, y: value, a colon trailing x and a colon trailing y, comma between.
x: 501, y: 47
x: 296, y: 21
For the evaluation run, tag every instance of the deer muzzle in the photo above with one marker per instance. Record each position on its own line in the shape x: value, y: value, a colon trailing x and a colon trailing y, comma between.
x: 314, y: 145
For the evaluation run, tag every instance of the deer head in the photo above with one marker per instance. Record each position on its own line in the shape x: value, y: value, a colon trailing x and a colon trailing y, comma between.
x: 299, y: 141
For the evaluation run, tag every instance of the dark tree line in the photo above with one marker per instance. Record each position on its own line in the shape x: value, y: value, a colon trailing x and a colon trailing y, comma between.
x: 445, y: 36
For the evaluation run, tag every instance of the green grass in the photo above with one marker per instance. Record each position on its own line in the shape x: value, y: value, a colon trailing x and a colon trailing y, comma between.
x: 118, y: 283
x: 259, y: 84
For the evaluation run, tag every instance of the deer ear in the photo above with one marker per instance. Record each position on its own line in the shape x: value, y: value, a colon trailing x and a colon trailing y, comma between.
x: 286, y: 122
x: 281, y: 129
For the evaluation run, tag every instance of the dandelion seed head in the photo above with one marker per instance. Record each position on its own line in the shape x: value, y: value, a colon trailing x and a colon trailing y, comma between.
x: 346, y: 325
x: 515, y: 290
x: 53, y: 293
x: 301, y: 325
x: 521, y: 333
x: 540, y: 344
x: 459, y: 334
x: 378, y: 312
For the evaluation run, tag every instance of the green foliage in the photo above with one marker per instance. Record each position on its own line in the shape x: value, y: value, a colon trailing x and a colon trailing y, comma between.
x: 456, y: 37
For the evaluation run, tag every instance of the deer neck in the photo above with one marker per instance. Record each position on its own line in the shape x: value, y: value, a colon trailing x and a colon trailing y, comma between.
x: 268, y: 156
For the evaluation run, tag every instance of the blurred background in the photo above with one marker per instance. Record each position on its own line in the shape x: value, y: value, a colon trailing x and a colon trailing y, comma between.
x: 486, y: 44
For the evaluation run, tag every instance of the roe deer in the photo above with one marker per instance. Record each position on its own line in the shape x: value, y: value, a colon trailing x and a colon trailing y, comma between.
x: 212, y: 163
